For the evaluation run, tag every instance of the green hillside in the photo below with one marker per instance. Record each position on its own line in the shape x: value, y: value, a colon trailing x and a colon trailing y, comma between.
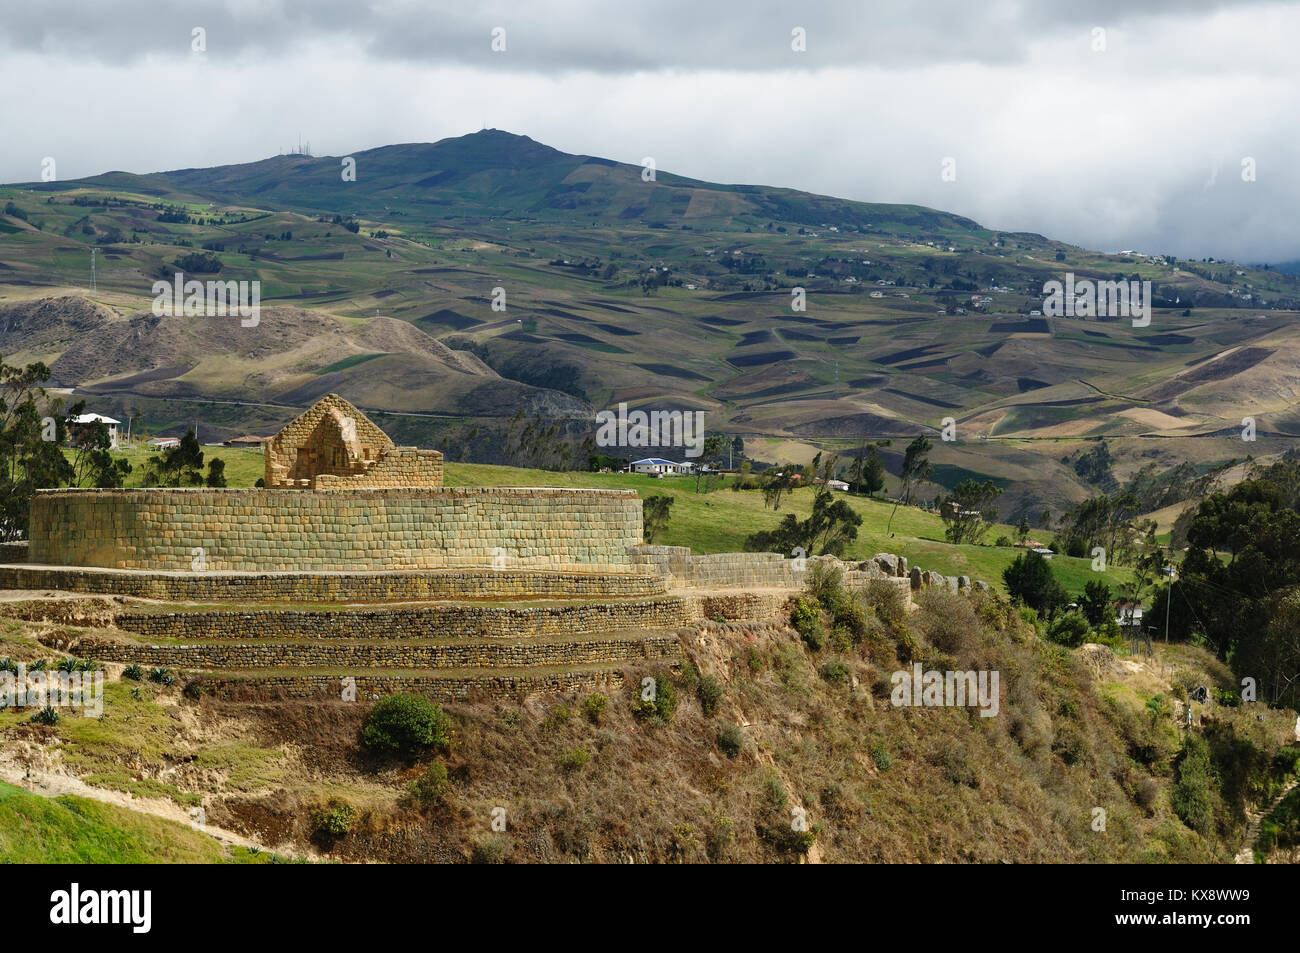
x: 76, y: 830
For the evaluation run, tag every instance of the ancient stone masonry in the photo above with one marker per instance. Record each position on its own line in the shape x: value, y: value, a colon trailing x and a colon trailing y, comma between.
x: 444, y: 687
x: 335, y: 586
x: 396, y: 654
x: 335, y: 446
x: 451, y: 620
x: 356, y: 565
x: 199, y: 530
x: 680, y: 568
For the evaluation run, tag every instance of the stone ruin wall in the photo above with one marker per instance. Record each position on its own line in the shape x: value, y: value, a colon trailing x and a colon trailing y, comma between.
x: 268, y: 531
x: 683, y: 570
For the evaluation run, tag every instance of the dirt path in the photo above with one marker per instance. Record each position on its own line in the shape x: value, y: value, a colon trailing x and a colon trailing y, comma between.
x: 51, y: 785
x: 1254, y: 818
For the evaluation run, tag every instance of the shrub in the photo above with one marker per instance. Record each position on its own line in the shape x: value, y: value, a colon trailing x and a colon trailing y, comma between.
x: 134, y: 672
x: 806, y: 618
x: 1069, y: 629
x: 490, y: 851
x: 709, y: 691
x: 775, y: 792
x: 833, y: 670
x: 432, y: 787
x: 574, y: 758
x: 886, y: 599
x: 658, y: 708
x: 948, y: 622
x: 335, y: 819
x: 593, y: 707
x: 730, y: 740
x: 1193, y: 794
x: 46, y: 716
x: 854, y: 618
x: 1146, y: 795
x: 880, y: 755
x: 405, y: 725
x: 826, y: 585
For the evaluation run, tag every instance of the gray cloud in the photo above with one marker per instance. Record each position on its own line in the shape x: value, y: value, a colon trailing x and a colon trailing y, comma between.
x: 1109, y: 150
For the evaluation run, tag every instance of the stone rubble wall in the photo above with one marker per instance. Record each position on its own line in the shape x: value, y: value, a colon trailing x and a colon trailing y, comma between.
x: 439, y: 687
x: 683, y: 570
x: 425, y: 622
x: 388, y: 654
x: 336, y: 586
x: 350, y: 530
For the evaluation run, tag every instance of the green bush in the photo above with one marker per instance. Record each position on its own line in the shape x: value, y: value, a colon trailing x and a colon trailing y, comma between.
x: 887, y: 601
x: 593, y: 707
x: 574, y: 758
x: 709, y: 691
x: 405, y: 725
x: 730, y: 740
x: 1194, y: 796
x: 161, y: 676
x: 335, y: 819
x: 825, y: 584
x: 806, y: 618
x: 659, y: 708
x: 46, y: 716
x: 134, y: 672
x: 1069, y: 629
x: 833, y: 670
x: 880, y: 755
x: 774, y: 791
x: 432, y: 787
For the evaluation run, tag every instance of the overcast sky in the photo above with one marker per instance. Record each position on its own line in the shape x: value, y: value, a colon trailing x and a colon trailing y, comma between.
x: 1138, y: 145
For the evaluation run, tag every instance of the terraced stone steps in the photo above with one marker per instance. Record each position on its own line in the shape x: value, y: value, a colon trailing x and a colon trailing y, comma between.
x: 443, y: 684
x: 411, y: 621
x: 612, y: 649
x: 327, y: 587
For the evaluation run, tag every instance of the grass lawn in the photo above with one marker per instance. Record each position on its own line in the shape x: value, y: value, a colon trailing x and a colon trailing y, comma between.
x: 244, y: 467
x: 718, y: 522
x: 76, y: 830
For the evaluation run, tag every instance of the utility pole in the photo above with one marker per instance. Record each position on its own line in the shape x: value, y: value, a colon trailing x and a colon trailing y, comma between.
x: 1169, y: 597
x: 93, y: 251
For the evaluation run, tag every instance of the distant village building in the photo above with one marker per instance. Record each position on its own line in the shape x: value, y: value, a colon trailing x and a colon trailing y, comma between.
x: 660, y: 467
x: 248, y: 440
x: 162, y: 443
x: 1128, y: 614
x: 82, y: 424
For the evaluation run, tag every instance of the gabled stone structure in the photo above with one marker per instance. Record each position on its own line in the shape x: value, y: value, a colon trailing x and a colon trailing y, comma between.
x: 335, y: 446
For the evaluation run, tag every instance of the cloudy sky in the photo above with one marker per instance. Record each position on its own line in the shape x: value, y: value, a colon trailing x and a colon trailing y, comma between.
x: 1113, y: 123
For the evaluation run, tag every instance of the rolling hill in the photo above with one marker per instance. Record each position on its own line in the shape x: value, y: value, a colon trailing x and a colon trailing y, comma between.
x: 667, y: 293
